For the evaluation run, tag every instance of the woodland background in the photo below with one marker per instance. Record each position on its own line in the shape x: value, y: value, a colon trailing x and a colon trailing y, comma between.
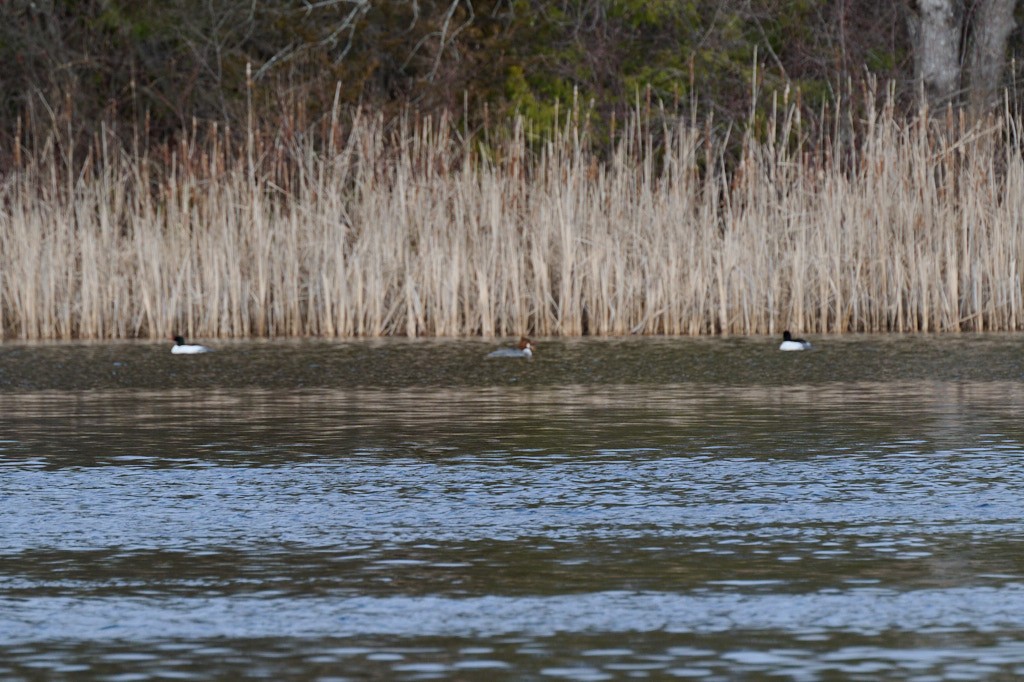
x: 161, y: 65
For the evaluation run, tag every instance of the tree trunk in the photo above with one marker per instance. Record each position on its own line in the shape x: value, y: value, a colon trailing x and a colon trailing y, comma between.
x: 935, y: 33
x: 991, y: 26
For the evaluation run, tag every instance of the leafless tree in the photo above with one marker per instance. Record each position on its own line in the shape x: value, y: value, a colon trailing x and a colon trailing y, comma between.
x: 960, y: 48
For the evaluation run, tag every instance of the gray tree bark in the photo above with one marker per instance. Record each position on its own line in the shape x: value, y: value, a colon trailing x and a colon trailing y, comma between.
x: 960, y: 48
x: 935, y: 35
x: 986, y: 57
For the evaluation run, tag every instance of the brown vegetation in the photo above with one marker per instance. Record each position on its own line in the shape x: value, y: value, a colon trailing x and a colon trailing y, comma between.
x: 419, y: 229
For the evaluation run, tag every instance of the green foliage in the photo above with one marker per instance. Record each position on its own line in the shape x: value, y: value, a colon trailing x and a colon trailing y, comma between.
x: 646, y: 13
x: 172, y: 61
x: 880, y: 61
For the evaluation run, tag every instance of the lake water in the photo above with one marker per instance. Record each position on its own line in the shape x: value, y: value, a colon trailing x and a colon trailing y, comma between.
x: 613, y: 509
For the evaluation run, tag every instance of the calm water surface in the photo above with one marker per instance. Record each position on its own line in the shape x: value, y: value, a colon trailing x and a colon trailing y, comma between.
x: 614, y: 509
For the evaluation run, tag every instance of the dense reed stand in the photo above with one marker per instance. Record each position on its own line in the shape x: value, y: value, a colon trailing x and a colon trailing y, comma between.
x: 414, y: 227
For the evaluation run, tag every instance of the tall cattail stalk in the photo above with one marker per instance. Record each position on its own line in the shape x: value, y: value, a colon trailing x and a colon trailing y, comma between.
x: 411, y: 228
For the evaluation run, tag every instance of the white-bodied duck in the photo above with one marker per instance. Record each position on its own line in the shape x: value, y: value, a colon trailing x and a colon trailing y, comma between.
x: 182, y: 348
x: 789, y: 343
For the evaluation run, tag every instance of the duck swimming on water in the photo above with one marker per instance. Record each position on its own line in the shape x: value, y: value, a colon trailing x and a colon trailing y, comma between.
x: 789, y: 343
x: 523, y: 350
x: 182, y: 348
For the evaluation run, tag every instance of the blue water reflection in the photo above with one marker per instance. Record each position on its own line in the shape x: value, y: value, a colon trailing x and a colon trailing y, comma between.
x: 802, y: 525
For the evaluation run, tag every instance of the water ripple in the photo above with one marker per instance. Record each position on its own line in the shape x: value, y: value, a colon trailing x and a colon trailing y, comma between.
x: 684, y: 508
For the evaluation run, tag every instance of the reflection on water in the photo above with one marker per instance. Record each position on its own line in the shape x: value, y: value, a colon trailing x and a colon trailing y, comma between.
x: 646, y: 509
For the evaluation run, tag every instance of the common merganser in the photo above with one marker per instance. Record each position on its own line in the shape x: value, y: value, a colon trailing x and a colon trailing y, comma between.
x: 789, y: 343
x: 180, y: 347
x: 523, y: 350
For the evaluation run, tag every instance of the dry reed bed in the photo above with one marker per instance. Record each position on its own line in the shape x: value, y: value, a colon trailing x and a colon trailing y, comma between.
x: 406, y: 230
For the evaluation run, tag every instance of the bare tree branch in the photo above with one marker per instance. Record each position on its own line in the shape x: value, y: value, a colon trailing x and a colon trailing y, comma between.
x: 444, y: 36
